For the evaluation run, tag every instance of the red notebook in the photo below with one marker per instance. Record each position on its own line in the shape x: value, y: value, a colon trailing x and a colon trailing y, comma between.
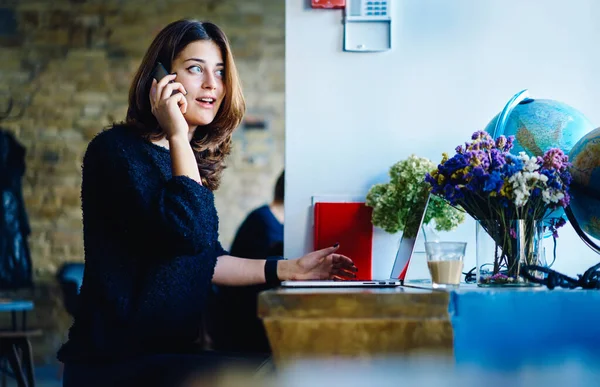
x: 350, y: 225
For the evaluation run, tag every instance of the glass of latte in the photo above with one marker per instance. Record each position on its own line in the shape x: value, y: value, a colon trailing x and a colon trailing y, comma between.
x: 445, y: 263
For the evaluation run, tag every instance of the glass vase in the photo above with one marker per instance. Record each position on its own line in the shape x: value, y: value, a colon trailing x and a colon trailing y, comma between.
x: 504, y: 246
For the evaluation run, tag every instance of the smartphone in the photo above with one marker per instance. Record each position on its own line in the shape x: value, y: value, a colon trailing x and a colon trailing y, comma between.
x: 159, y: 72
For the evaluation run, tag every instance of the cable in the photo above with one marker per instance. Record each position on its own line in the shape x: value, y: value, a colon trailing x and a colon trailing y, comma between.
x: 589, y: 280
x: 470, y: 276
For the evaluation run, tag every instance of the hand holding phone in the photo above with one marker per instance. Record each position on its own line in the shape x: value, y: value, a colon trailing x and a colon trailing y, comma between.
x: 162, y: 95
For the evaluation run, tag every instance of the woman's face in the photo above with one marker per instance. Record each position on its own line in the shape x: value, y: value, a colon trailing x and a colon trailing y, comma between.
x: 201, y: 70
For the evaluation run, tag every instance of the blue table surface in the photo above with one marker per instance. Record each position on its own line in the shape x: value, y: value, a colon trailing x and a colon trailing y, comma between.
x: 519, y: 326
x: 8, y: 305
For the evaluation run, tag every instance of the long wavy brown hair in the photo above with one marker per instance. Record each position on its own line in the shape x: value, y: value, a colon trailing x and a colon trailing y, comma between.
x: 212, y: 142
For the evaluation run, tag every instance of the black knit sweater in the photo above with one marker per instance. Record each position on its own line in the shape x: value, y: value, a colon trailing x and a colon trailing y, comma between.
x: 151, y: 245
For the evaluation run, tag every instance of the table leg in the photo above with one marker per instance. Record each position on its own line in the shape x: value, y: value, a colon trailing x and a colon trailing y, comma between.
x: 4, y: 369
x: 15, y: 364
x: 25, y: 346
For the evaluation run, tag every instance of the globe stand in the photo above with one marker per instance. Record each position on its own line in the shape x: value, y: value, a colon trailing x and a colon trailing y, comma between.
x: 586, y: 239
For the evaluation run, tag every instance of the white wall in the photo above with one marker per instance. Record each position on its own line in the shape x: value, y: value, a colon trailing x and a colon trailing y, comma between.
x: 453, y: 66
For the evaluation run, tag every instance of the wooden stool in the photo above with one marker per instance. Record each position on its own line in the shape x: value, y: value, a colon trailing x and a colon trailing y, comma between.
x: 16, y: 348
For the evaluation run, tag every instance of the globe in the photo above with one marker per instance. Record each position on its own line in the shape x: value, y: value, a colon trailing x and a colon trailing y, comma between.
x: 585, y: 188
x: 541, y: 124
x: 538, y: 125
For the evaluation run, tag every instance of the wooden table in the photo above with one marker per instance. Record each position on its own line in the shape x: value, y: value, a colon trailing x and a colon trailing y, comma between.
x: 516, y: 327
x: 356, y: 322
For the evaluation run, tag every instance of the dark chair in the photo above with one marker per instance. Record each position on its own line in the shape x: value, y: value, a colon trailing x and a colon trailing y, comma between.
x: 70, y: 277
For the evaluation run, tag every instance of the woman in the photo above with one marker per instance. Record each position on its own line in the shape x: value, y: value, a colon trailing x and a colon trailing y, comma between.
x: 150, y: 224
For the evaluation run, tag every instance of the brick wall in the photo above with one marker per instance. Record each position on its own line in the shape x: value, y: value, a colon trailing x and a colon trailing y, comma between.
x: 70, y: 63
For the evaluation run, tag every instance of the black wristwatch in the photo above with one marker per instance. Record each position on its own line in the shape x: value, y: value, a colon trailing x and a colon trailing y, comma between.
x: 271, y: 277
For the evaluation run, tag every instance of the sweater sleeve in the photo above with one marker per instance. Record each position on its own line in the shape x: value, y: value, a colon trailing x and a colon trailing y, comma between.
x: 184, y: 212
x: 179, y: 211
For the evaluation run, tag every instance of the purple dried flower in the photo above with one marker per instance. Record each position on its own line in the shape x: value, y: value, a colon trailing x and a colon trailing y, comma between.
x: 501, y: 142
x: 478, y: 158
x: 480, y: 136
x: 489, y: 144
x: 555, y: 224
x: 555, y: 158
x: 477, y: 135
x: 565, y: 200
x: 510, y: 143
x: 497, y: 159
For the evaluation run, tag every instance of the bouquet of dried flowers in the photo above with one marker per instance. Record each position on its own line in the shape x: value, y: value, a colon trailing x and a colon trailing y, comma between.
x: 498, y: 189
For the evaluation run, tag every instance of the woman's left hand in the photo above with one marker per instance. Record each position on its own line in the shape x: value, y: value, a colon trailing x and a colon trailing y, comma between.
x: 320, y: 264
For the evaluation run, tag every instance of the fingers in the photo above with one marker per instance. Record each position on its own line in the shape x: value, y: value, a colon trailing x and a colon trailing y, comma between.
x: 156, y: 90
x: 181, y: 102
x: 168, y: 90
x: 342, y: 273
x: 163, y: 91
x: 351, y: 269
x: 328, y: 250
x: 164, y: 88
x: 166, y: 80
x: 341, y: 261
x: 342, y: 267
x: 153, y: 93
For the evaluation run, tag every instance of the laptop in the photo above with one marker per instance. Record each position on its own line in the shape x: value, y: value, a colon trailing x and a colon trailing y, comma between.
x: 399, y: 269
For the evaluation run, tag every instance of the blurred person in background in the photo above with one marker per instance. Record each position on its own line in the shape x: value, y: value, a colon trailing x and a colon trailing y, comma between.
x: 233, y: 324
x: 261, y: 233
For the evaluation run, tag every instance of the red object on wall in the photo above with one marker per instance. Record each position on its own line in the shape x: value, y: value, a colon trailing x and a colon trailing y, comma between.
x: 329, y: 4
x: 350, y: 225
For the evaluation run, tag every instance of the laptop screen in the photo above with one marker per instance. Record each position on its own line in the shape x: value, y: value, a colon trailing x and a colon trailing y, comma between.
x: 407, y: 245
